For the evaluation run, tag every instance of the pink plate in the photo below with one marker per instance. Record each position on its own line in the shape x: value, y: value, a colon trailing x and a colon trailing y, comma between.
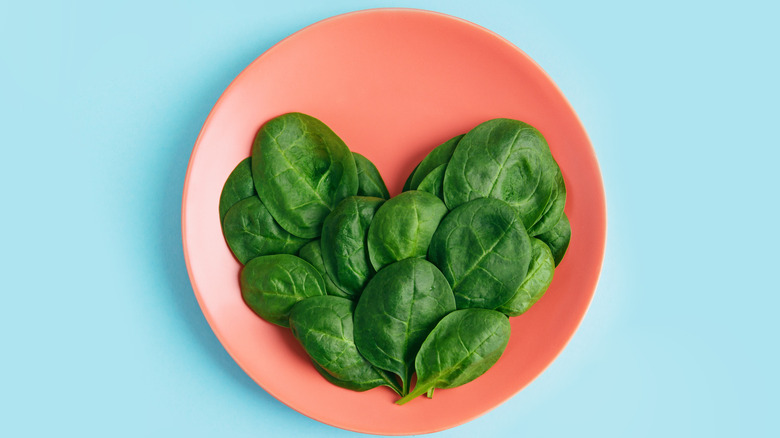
x: 393, y: 83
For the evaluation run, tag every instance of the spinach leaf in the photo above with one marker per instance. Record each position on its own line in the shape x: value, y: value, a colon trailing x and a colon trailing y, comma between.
x: 370, y: 182
x: 462, y: 346
x: 536, y: 282
x: 323, y: 326
x: 552, y: 215
x: 558, y: 238
x: 432, y: 183
x: 301, y: 170
x: 408, y: 182
x: 360, y: 386
x: 238, y: 186
x: 440, y: 155
x: 503, y: 159
x: 397, y: 310
x: 483, y: 250
x: 343, y: 244
x: 272, y: 284
x: 250, y: 232
x: 403, y: 226
x: 312, y: 253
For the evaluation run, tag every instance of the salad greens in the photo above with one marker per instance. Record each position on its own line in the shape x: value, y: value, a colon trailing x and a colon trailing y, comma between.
x: 301, y: 170
x: 397, y: 310
x: 385, y: 288
x: 403, y: 227
x: 370, y: 182
x: 344, y: 248
x: 272, y: 284
x: 323, y: 325
x: 251, y: 231
x: 493, y: 268
x: 238, y: 186
x: 536, y: 282
x: 462, y: 346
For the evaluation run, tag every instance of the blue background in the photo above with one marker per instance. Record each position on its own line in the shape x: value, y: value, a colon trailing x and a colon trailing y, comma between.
x: 101, y: 105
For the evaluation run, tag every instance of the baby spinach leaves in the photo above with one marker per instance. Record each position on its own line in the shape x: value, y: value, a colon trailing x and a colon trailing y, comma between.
x: 301, y: 170
x: 462, y: 346
x: 323, y: 326
x: 428, y: 176
x: 536, y: 282
x: 370, y: 182
x: 503, y: 159
x: 433, y: 182
x: 483, y: 250
x: 373, y: 292
x: 439, y: 156
x: 554, y: 211
x: 408, y: 181
x: 558, y: 238
x: 403, y: 227
x: 238, y: 186
x: 397, y: 310
x: 312, y: 253
x: 272, y: 284
x: 344, y: 235
x: 250, y: 232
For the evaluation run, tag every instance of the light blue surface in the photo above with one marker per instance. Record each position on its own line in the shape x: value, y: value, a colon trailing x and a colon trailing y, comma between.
x: 101, y: 105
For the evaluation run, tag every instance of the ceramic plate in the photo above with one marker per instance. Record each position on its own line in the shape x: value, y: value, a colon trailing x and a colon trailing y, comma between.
x: 393, y: 83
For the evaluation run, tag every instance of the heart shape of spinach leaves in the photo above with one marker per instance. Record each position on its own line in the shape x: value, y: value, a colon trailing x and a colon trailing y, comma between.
x: 377, y: 289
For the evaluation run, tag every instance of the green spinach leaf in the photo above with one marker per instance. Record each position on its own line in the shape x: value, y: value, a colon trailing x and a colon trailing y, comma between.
x: 397, y: 310
x: 250, y: 232
x: 302, y: 170
x: 462, y: 346
x: 503, y: 159
x: 344, y: 235
x: 272, y: 284
x: 312, y: 253
x: 403, y: 227
x: 238, y: 186
x: 552, y: 215
x: 360, y: 386
x: 483, y: 250
x: 433, y: 182
x: 558, y: 238
x: 536, y: 282
x: 323, y: 326
x: 370, y: 182
x: 440, y: 155
x: 408, y: 182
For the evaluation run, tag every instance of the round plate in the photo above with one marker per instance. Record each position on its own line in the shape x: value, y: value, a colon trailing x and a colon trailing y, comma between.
x: 393, y: 83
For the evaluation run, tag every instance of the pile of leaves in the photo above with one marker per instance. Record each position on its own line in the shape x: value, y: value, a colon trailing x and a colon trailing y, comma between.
x: 377, y: 289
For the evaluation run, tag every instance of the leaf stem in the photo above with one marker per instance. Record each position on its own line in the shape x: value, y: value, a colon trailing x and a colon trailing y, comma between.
x: 418, y: 391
